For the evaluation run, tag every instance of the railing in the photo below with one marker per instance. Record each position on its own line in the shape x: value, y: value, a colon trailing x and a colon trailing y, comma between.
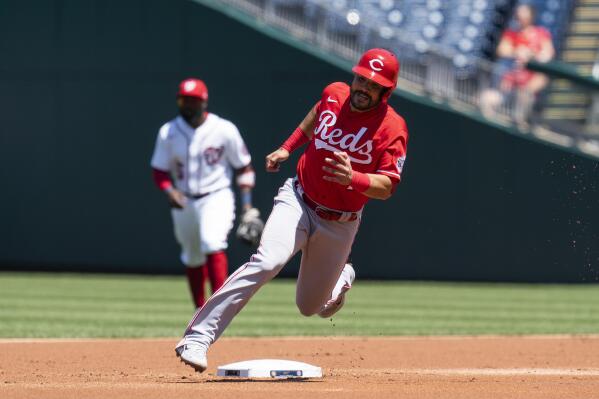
x: 469, y: 85
x: 593, y: 122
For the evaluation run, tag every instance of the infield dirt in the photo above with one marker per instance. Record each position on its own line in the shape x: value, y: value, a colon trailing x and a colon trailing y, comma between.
x: 354, y: 367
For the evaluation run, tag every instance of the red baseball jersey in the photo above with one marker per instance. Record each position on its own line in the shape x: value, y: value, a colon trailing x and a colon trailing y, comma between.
x: 532, y: 38
x: 375, y: 140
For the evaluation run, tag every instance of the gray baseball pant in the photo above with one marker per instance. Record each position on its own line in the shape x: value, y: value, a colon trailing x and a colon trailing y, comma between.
x: 292, y: 226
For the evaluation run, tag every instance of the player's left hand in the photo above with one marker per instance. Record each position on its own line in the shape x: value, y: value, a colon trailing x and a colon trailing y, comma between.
x: 340, y: 170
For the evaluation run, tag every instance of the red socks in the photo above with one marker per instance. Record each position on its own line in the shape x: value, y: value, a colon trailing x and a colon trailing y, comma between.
x: 196, y: 276
x: 218, y: 269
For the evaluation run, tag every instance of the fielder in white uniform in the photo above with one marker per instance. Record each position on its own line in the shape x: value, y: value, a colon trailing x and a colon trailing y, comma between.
x: 196, y: 157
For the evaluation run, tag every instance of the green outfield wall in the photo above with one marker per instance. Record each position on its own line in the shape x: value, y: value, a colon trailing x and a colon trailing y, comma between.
x: 85, y: 85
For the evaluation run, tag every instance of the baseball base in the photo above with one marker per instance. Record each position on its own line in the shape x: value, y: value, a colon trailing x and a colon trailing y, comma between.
x: 269, y: 368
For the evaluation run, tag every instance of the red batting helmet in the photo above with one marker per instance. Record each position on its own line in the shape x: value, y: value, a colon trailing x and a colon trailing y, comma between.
x: 380, y: 66
x: 193, y: 88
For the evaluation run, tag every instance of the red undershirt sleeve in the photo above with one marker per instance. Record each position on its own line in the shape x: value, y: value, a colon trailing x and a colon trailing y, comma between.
x: 162, y: 179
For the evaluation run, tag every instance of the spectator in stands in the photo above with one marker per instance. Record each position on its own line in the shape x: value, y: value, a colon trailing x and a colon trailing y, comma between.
x: 516, y: 48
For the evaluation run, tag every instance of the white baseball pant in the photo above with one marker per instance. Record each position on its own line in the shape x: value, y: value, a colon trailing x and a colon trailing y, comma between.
x: 291, y: 226
x: 203, y: 225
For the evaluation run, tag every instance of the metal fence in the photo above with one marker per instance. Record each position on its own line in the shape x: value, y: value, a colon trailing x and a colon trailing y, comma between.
x: 467, y: 84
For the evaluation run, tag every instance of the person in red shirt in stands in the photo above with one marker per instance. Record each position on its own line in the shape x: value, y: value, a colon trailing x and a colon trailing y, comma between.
x: 516, y: 48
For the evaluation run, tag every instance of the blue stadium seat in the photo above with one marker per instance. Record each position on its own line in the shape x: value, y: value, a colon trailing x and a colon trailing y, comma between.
x: 463, y: 29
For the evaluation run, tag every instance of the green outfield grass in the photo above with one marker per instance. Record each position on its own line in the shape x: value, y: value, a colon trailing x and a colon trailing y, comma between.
x: 67, y: 305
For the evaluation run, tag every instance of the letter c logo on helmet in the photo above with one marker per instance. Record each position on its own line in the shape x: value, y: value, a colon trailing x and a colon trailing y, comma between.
x: 380, y: 66
x: 375, y: 68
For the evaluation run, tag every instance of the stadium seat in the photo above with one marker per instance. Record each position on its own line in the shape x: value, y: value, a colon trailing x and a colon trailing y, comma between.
x: 464, y: 31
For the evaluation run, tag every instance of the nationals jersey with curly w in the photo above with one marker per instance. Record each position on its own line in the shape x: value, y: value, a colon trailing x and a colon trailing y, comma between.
x: 201, y: 160
x: 376, y: 142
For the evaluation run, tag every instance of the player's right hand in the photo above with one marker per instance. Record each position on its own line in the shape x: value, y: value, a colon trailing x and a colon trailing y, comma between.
x: 176, y: 198
x: 274, y: 159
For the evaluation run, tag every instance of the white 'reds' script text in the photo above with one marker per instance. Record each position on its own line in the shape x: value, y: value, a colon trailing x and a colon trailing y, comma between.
x: 336, y: 140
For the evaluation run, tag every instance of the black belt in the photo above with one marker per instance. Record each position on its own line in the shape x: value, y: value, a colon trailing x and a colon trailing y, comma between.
x: 198, y: 196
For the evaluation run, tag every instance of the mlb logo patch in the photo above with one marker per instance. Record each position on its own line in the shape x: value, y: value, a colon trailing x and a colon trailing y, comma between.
x: 400, y: 162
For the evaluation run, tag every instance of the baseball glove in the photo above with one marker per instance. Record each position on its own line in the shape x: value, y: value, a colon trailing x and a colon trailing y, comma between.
x: 250, y: 228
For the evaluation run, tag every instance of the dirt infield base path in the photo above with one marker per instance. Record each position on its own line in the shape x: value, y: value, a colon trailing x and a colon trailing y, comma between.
x: 401, y: 367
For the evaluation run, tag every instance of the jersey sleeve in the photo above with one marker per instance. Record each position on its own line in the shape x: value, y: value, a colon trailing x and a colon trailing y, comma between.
x: 543, y: 33
x: 333, y: 92
x: 237, y: 152
x: 509, y: 36
x: 161, y: 159
x: 393, y: 158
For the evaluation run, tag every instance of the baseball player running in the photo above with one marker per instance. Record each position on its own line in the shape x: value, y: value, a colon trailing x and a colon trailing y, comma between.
x: 356, y: 151
x: 196, y: 157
